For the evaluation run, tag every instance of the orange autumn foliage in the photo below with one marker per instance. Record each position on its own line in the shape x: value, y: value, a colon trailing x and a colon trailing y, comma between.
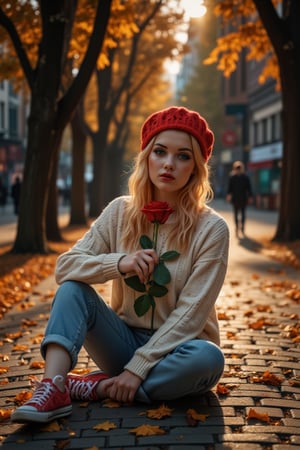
x: 147, y: 430
x: 62, y: 444
x: 37, y: 365
x: 51, y: 427
x: 22, y: 397
x: 193, y: 417
x: 19, y: 274
x: 263, y: 417
x: 20, y: 348
x: 5, y: 414
x: 268, y: 378
x: 260, y: 324
x: 108, y: 403
x: 245, y: 32
x: 159, y: 413
x: 105, y: 426
x: 222, y: 389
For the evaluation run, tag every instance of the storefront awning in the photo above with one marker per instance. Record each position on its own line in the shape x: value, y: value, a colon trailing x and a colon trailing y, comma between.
x: 260, y: 165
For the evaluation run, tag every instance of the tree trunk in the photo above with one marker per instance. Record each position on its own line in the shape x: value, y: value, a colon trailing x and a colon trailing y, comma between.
x: 78, y: 191
x: 114, y: 183
x: 52, y: 226
x: 50, y: 111
x: 288, y: 227
x: 99, y: 173
x: 43, y: 133
x: 31, y: 232
x: 53, y: 232
x: 284, y: 34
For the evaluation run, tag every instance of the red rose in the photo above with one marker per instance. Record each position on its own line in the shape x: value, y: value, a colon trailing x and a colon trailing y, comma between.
x: 157, y: 212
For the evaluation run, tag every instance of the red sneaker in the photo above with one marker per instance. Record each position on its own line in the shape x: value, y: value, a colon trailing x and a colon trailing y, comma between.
x: 84, y: 387
x: 47, y: 403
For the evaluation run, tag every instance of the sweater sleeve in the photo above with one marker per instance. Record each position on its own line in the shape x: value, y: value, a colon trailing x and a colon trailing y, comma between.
x: 94, y: 259
x: 195, y: 306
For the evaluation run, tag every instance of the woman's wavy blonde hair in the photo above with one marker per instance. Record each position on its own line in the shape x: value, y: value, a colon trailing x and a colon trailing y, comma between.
x: 191, y: 199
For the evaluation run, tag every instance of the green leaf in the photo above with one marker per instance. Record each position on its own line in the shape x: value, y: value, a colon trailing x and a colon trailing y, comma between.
x: 167, y: 256
x: 161, y: 274
x: 135, y: 283
x: 145, y: 242
x: 156, y: 290
x: 142, y: 304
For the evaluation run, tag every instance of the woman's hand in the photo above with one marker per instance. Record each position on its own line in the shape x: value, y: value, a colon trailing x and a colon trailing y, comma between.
x: 141, y: 262
x: 121, y: 388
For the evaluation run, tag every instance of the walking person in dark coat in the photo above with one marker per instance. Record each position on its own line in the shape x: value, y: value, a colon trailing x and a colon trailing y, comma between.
x: 15, y: 193
x: 239, y: 193
x: 3, y: 194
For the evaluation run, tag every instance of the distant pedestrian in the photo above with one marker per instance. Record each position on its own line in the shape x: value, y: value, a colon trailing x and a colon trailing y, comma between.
x: 15, y: 193
x: 239, y: 194
x: 3, y: 194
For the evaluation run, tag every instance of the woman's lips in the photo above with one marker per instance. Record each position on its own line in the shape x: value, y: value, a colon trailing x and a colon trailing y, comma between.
x: 166, y: 177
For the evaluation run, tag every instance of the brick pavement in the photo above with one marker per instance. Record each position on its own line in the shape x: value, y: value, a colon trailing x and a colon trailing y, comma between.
x: 259, y: 324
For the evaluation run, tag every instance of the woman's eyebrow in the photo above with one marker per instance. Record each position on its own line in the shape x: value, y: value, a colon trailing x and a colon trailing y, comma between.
x: 179, y: 149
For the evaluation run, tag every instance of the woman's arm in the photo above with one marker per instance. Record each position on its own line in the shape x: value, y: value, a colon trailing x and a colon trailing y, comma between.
x: 95, y: 257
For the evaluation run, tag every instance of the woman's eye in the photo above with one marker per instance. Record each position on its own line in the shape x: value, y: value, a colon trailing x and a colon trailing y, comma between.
x: 184, y: 156
x: 158, y: 151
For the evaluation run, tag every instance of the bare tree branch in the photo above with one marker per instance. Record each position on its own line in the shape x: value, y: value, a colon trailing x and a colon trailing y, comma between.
x: 17, y: 43
x: 68, y: 103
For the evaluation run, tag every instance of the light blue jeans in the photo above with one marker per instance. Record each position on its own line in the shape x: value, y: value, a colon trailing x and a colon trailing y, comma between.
x: 79, y: 317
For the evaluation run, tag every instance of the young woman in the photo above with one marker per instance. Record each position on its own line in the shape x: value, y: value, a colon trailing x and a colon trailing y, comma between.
x: 147, y: 354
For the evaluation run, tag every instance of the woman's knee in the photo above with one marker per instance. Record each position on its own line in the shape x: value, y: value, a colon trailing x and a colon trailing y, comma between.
x: 69, y: 288
x: 204, y: 354
x: 77, y: 299
x: 74, y: 291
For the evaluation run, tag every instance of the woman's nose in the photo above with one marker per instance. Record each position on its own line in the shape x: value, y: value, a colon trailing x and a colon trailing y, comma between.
x: 169, y: 163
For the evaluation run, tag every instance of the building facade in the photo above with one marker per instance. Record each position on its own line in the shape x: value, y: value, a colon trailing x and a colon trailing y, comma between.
x: 266, y: 145
x: 12, y: 133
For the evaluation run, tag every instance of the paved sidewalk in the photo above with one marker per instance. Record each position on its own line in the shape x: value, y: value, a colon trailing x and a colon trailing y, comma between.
x: 259, y: 318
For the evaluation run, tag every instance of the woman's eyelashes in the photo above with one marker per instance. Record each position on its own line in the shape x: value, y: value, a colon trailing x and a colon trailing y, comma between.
x: 183, y: 156
x: 159, y: 151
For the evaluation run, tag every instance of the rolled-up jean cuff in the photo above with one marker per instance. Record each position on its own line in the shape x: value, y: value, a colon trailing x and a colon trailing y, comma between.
x: 141, y: 396
x: 63, y: 342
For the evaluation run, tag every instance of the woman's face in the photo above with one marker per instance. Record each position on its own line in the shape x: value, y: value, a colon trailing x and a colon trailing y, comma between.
x: 171, y: 164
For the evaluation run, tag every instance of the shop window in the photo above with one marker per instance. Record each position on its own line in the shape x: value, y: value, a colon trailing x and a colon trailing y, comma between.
x: 2, y: 116
x: 12, y: 91
x: 255, y: 134
x: 13, y: 121
x: 233, y: 84
x: 278, y: 127
x: 265, y: 131
x: 273, y: 128
x: 264, y: 181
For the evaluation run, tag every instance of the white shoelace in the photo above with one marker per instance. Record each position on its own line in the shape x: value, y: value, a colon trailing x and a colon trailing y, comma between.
x: 81, y: 389
x: 43, y: 391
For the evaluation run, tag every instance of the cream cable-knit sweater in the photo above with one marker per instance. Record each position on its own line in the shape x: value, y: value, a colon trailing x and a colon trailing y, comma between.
x: 186, y: 312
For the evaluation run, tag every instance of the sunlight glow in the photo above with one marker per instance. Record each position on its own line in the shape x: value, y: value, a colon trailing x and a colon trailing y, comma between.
x: 194, y: 8
x: 172, y: 66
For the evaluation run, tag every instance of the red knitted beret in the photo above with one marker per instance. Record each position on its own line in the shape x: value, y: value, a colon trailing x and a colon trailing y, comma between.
x: 179, y: 118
